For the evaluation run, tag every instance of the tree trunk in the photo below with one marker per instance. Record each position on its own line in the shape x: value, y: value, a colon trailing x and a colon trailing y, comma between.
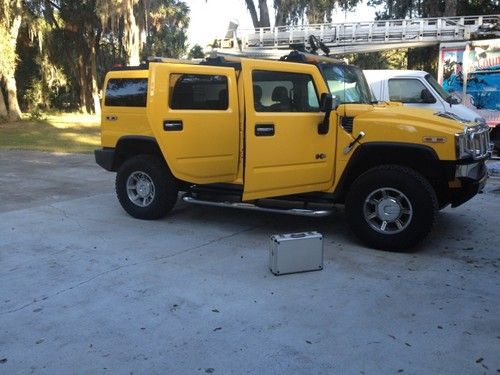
x: 81, y: 81
x: 281, y: 16
x: 3, y: 109
x: 264, y: 14
x: 10, y: 81
x: 132, y: 33
x: 450, y: 8
x: 253, y: 13
x: 93, y: 72
x: 431, y: 8
x: 14, y: 111
x: 88, y: 89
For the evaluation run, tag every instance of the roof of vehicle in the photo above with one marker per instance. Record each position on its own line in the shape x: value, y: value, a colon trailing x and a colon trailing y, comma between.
x: 233, y: 60
x: 387, y: 73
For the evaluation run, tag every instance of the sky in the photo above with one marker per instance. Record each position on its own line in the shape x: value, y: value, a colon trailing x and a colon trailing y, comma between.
x: 210, y: 18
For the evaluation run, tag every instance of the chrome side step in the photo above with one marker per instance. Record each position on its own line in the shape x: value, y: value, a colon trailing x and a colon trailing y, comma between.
x: 249, y: 206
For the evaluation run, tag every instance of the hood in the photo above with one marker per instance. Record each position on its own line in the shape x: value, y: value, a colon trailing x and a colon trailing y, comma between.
x: 410, y: 120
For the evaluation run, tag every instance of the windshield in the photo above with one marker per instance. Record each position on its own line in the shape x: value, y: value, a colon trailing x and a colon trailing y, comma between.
x: 347, y: 82
x: 437, y: 87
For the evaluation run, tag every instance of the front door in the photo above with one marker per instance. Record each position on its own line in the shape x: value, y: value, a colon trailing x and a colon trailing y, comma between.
x: 193, y: 111
x: 284, y: 154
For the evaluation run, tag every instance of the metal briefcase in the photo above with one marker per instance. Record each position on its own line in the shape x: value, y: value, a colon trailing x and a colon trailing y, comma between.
x: 296, y: 252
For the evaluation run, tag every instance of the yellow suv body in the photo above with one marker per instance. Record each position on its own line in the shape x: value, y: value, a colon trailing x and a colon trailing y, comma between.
x: 303, y: 130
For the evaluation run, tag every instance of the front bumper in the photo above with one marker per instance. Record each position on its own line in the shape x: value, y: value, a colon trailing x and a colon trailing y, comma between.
x: 105, y: 158
x: 472, y: 178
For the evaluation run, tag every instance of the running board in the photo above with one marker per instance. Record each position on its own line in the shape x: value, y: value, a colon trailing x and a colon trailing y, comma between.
x: 249, y: 206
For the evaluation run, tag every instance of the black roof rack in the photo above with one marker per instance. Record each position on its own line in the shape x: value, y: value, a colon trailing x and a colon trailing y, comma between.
x: 143, y: 66
x: 221, y: 61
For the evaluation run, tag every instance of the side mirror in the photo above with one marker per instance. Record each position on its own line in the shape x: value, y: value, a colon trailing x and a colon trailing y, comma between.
x: 453, y: 99
x: 427, y: 97
x: 328, y: 102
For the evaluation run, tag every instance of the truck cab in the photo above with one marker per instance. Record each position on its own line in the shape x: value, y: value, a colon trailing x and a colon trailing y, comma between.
x: 416, y: 88
x: 295, y: 135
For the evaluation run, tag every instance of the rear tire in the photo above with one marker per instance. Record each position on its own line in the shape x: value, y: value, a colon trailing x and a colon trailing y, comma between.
x: 145, y: 187
x: 391, y: 207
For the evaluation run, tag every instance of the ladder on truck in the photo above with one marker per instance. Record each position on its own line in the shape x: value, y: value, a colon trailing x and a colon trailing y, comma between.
x: 351, y: 37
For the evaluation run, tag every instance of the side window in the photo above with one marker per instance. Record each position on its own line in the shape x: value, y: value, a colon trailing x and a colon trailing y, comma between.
x: 284, y: 92
x: 126, y: 92
x: 198, y: 91
x: 406, y: 90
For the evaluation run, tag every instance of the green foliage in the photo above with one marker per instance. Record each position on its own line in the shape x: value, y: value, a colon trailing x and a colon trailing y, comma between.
x: 167, y: 31
x: 396, y: 9
x: 41, y: 76
x: 390, y: 59
x: 314, y: 11
x: 196, y: 52
x: 418, y: 59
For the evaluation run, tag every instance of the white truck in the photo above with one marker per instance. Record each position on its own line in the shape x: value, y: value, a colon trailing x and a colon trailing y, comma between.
x: 416, y: 88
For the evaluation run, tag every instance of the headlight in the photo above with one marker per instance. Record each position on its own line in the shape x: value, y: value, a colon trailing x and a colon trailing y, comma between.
x: 473, y: 142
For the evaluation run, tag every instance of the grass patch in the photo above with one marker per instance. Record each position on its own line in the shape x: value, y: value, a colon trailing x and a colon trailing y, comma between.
x: 69, y: 133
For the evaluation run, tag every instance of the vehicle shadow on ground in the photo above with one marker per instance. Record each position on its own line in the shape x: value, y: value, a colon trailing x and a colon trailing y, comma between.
x: 454, y: 233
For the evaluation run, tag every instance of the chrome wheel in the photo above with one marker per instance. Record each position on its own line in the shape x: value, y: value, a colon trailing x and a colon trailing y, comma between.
x: 140, y: 189
x: 388, y: 211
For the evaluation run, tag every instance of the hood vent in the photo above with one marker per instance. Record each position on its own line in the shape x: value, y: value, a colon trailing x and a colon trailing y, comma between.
x: 347, y: 123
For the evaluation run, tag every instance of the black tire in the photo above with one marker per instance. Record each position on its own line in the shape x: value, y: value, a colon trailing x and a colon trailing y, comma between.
x: 152, y: 191
x: 401, y: 197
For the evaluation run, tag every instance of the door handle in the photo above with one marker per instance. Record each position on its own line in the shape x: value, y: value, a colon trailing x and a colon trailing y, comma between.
x: 264, y: 130
x: 172, y: 125
x: 112, y: 118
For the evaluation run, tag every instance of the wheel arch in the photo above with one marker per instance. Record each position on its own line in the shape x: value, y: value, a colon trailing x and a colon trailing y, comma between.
x: 423, y: 159
x: 129, y: 146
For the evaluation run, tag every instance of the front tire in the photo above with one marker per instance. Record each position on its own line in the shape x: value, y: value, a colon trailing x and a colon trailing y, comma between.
x: 391, y: 207
x: 145, y: 187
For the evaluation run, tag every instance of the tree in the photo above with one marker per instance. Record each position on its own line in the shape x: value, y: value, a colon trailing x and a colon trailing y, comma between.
x: 167, y: 22
x: 7, y: 65
x: 120, y: 17
x: 397, y: 9
x: 11, y: 12
x: 261, y: 19
x: 196, y: 52
x: 295, y: 11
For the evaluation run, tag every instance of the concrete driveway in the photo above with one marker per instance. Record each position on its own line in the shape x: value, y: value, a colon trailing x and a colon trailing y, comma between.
x: 87, y: 289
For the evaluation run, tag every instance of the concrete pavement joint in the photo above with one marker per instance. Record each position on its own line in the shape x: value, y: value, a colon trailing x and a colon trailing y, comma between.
x: 131, y: 265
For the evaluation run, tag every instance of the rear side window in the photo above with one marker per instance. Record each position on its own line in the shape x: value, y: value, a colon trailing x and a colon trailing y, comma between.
x: 126, y: 92
x: 198, y: 91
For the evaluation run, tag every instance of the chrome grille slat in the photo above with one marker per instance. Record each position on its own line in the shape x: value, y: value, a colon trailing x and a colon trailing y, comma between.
x: 478, y: 141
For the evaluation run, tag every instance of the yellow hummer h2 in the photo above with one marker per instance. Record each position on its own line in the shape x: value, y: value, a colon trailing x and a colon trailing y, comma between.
x: 285, y: 136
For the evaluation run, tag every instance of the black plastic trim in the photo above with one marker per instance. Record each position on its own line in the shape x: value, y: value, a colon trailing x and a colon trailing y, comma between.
x: 105, y: 158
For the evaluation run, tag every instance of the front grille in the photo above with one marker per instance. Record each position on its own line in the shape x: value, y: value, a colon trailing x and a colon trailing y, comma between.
x: 478, y: 141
